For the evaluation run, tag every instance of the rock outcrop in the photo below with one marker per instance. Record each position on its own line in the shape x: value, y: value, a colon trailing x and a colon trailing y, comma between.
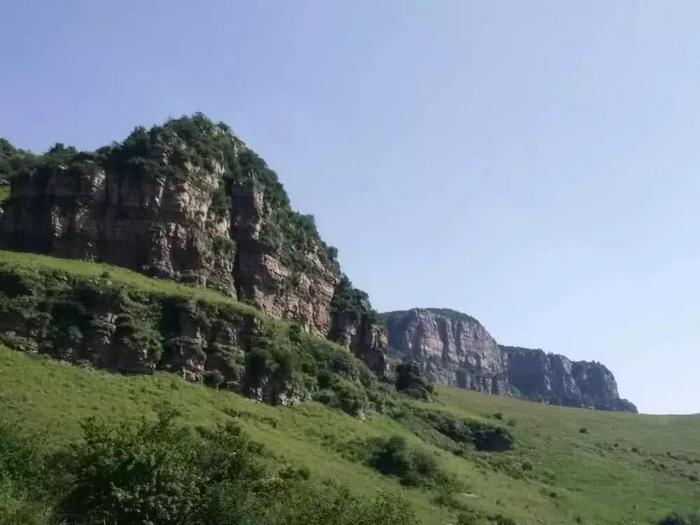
x: 120, y: 321
x: 455, y: 349
x: 187, y: 201
x: 449, y: 346
x: 357, y: 326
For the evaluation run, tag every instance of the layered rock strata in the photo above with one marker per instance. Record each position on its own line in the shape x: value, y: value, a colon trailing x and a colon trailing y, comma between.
x: 454, y: 349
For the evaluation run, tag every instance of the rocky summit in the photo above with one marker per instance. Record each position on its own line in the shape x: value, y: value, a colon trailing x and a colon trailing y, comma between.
x: 455, y: 349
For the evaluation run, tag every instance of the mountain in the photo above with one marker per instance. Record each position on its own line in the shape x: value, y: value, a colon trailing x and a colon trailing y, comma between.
x: 455, y: 349
x: 175, y: 259
x: 190, y: 202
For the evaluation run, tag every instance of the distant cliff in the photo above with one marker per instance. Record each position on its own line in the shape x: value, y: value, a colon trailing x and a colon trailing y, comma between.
x: 449, y: 346
x: 553, y: 378
x: 188, y: 201
x: 455, y: 349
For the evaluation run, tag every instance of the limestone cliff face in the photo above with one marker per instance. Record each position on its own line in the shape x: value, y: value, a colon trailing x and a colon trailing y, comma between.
x: 83, y: 208
x: 455, y: 349
x: 191, y: 202
x: 357, y: 326
x: 555, y: 379
x: 449, y: 346
x: 263, y: 278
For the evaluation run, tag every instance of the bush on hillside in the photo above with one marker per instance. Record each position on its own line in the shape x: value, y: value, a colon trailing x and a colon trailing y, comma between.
x: 454, y: 433
x: 159, y: 473
x: 411, y: 465
x: 410, y: 381
x: 680, y: 519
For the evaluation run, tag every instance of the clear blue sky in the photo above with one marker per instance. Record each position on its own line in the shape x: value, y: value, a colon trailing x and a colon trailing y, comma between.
x: 534, y: 164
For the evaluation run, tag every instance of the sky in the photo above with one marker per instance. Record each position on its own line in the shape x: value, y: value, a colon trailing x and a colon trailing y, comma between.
x: 533, y: 164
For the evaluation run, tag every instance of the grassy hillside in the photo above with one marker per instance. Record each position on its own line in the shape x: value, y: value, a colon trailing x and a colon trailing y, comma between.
x: 21, y: 261
x: 624, y: 469
x: 566, y: 465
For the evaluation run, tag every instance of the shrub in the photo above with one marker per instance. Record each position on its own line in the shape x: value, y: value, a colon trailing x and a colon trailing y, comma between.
x: 680, y: 519
x: 412, y: 466
x: 213, y: 378
x: 583, y: 430
x: 157, y: 473
x: 499, y: 519
x: 349, y: 397
x: 467, y: 519
x: 481, y: 435
x: 409, y: 381
x: 133, y: 475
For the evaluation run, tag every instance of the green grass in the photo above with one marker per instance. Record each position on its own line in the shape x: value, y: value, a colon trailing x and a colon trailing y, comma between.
x: 33, y: 262
x: 574, y: 474
x: 625, y: 468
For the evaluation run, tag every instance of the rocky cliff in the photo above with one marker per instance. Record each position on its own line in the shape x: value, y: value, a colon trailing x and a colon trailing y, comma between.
x: 449, y: 346
x: 553, y: 378
x: 116, y: 319
x: 455, y: 349
x: 191, y: 202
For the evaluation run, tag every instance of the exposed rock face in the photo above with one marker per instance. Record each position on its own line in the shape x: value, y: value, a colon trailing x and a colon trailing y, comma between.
x: 554, y: 379
x: 132, y: 331
x: 449, y: 346
x: 357, y: 326
x: 455, y: 349
x: 366, y: 339
x: 265, y: 281
x: 187, y: 201
x: 159, y: 226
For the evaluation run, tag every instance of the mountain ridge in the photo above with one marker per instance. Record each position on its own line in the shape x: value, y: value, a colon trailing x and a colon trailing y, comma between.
x: 455, y: 349
x: 189, y: 201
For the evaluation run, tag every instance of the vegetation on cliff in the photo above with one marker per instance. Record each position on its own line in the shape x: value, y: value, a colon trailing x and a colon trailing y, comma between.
x: 120, y: 320
x: 186, y: 200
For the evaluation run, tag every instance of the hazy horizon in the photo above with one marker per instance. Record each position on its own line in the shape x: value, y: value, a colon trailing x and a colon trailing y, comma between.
x: 532, y: 165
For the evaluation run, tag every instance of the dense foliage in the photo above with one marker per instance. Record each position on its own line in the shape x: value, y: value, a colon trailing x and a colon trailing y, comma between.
x: 351, y: 304
x: 12, y: 160
x: 410, y: 381
x: 411, y: 465
x: 161, y: 473
x: 455, y: 434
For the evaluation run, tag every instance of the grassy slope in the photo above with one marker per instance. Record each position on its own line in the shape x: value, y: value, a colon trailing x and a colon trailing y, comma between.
x: 29, y: 261
x: 600, y: 485
x: 575, y: 474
